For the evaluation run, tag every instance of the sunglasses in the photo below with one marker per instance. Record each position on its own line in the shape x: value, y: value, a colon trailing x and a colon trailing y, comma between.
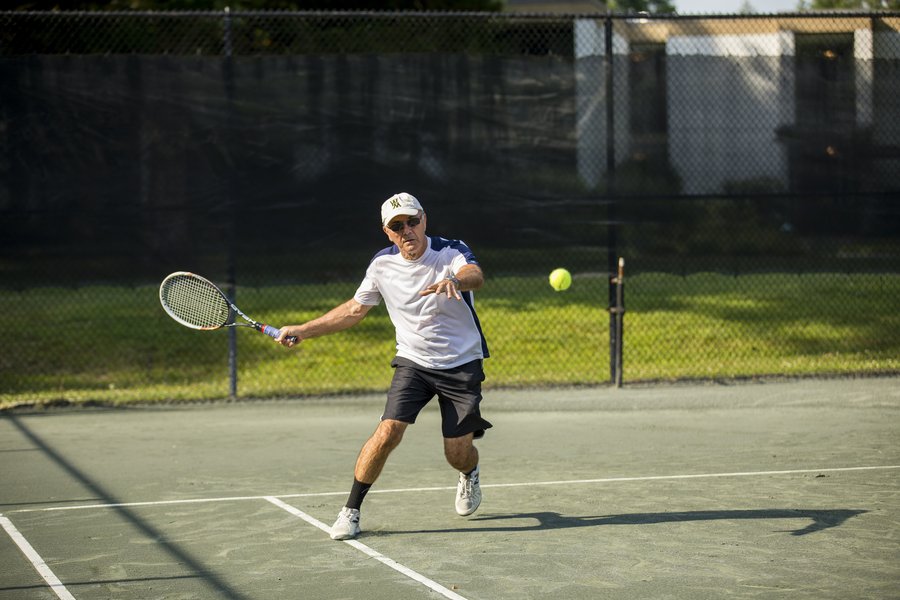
x: 397, y: 226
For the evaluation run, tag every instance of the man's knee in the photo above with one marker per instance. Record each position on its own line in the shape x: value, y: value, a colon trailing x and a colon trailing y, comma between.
x: 459, y: 451
x: 389, y: 433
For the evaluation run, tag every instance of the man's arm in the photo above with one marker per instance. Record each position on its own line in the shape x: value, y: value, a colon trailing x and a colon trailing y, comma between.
x: 469, y: 277
x: 337, y: 319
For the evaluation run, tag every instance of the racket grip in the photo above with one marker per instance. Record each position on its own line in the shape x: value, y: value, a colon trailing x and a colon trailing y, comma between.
x: 273, y: 332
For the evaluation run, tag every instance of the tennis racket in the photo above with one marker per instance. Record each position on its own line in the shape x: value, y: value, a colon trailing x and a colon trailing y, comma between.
x: 197, y: 303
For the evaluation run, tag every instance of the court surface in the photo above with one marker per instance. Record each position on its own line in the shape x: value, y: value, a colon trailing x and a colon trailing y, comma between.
x: 783, y: 489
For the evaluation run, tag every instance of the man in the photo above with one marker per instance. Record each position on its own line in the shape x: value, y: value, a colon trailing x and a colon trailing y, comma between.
x: 426, y: 284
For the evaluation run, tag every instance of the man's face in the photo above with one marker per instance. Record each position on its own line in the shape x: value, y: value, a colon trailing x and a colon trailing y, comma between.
x: 408, y: 233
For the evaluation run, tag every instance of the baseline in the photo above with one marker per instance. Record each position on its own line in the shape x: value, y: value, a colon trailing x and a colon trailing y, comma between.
x: 444, y: 488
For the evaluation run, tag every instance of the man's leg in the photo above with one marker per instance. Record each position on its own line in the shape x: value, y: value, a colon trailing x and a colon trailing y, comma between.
x: 375, y: 451
x: 462, y: 455
x: 369, y: 463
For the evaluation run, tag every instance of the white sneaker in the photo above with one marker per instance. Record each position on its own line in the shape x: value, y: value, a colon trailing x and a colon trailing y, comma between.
x: 347, y: 525
x: 468, y: 493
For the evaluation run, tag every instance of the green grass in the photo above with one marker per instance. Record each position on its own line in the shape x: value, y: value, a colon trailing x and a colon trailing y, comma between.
x: 115, y: 344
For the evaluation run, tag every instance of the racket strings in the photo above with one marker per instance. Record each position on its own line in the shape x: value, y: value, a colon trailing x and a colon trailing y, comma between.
x: 195, y: 302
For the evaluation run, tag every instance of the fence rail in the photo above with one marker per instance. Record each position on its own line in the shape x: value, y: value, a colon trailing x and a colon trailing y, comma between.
x: 744, y: 166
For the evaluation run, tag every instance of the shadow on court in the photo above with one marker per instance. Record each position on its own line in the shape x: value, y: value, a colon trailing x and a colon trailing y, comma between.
x: 222, y: 589
x: 74, y: 584
x: 821, y: 519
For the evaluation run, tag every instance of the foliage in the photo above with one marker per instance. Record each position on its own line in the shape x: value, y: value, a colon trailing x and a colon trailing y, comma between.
x: 113, y: 344
x: 848, y: 5
x: 236, y: 5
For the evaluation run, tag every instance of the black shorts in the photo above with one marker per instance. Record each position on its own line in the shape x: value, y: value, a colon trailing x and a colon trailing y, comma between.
x: 458, y: 391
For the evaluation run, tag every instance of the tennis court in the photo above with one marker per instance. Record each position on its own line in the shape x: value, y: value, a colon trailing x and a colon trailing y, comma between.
x: 781, y: 489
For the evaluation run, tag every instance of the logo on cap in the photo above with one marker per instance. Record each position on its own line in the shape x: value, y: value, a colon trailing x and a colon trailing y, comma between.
x: 395, y: 203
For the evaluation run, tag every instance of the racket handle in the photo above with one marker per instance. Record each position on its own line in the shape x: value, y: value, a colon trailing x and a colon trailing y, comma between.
x: 273, y: 332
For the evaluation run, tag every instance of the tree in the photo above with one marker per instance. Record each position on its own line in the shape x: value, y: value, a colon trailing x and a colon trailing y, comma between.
x: 462, y: 5
x: 660, y: 7
x: 848, y: 5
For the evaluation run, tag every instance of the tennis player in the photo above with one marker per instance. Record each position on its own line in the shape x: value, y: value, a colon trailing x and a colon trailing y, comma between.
x: 426, y: 284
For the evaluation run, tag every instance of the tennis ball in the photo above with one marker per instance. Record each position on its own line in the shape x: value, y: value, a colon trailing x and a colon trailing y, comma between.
x: 560, y: 280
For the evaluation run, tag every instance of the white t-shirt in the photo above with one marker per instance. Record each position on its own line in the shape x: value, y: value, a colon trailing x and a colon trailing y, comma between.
x: 433, y: 331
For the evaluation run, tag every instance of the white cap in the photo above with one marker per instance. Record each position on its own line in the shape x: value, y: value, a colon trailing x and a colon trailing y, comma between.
x: 399, y: 204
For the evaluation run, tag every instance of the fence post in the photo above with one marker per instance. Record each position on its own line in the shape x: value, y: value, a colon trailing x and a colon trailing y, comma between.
x: 612, y: 242
x: 228, y: 80
x: 619, y: 312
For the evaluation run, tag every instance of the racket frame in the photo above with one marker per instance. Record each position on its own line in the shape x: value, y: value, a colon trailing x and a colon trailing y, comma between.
x: 233, y: 311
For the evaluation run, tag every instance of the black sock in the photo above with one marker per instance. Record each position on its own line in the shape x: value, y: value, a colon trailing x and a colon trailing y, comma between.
x: 357, y: 493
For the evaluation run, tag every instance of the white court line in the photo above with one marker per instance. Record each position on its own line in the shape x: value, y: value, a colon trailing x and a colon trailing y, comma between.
x: 695, y: 476
x: 36, y: 561
x: 432, y: 585
x: 165, y: 502
x: 453, y: 487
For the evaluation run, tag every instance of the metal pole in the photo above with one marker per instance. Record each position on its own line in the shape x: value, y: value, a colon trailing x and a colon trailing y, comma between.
x: 228, y: 77
x: 611, y: 248
x: 620, y: 320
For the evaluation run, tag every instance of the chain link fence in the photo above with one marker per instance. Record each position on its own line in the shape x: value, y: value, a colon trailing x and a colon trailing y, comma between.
x: 745, y: 168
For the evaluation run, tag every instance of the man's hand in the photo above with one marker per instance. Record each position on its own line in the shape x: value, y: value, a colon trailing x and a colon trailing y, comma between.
x: 469, y: 277
x: 286, y: 337
x: 444, y: 286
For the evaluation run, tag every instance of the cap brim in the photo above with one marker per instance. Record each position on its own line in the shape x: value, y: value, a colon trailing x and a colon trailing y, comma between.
x: 409, y: 212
